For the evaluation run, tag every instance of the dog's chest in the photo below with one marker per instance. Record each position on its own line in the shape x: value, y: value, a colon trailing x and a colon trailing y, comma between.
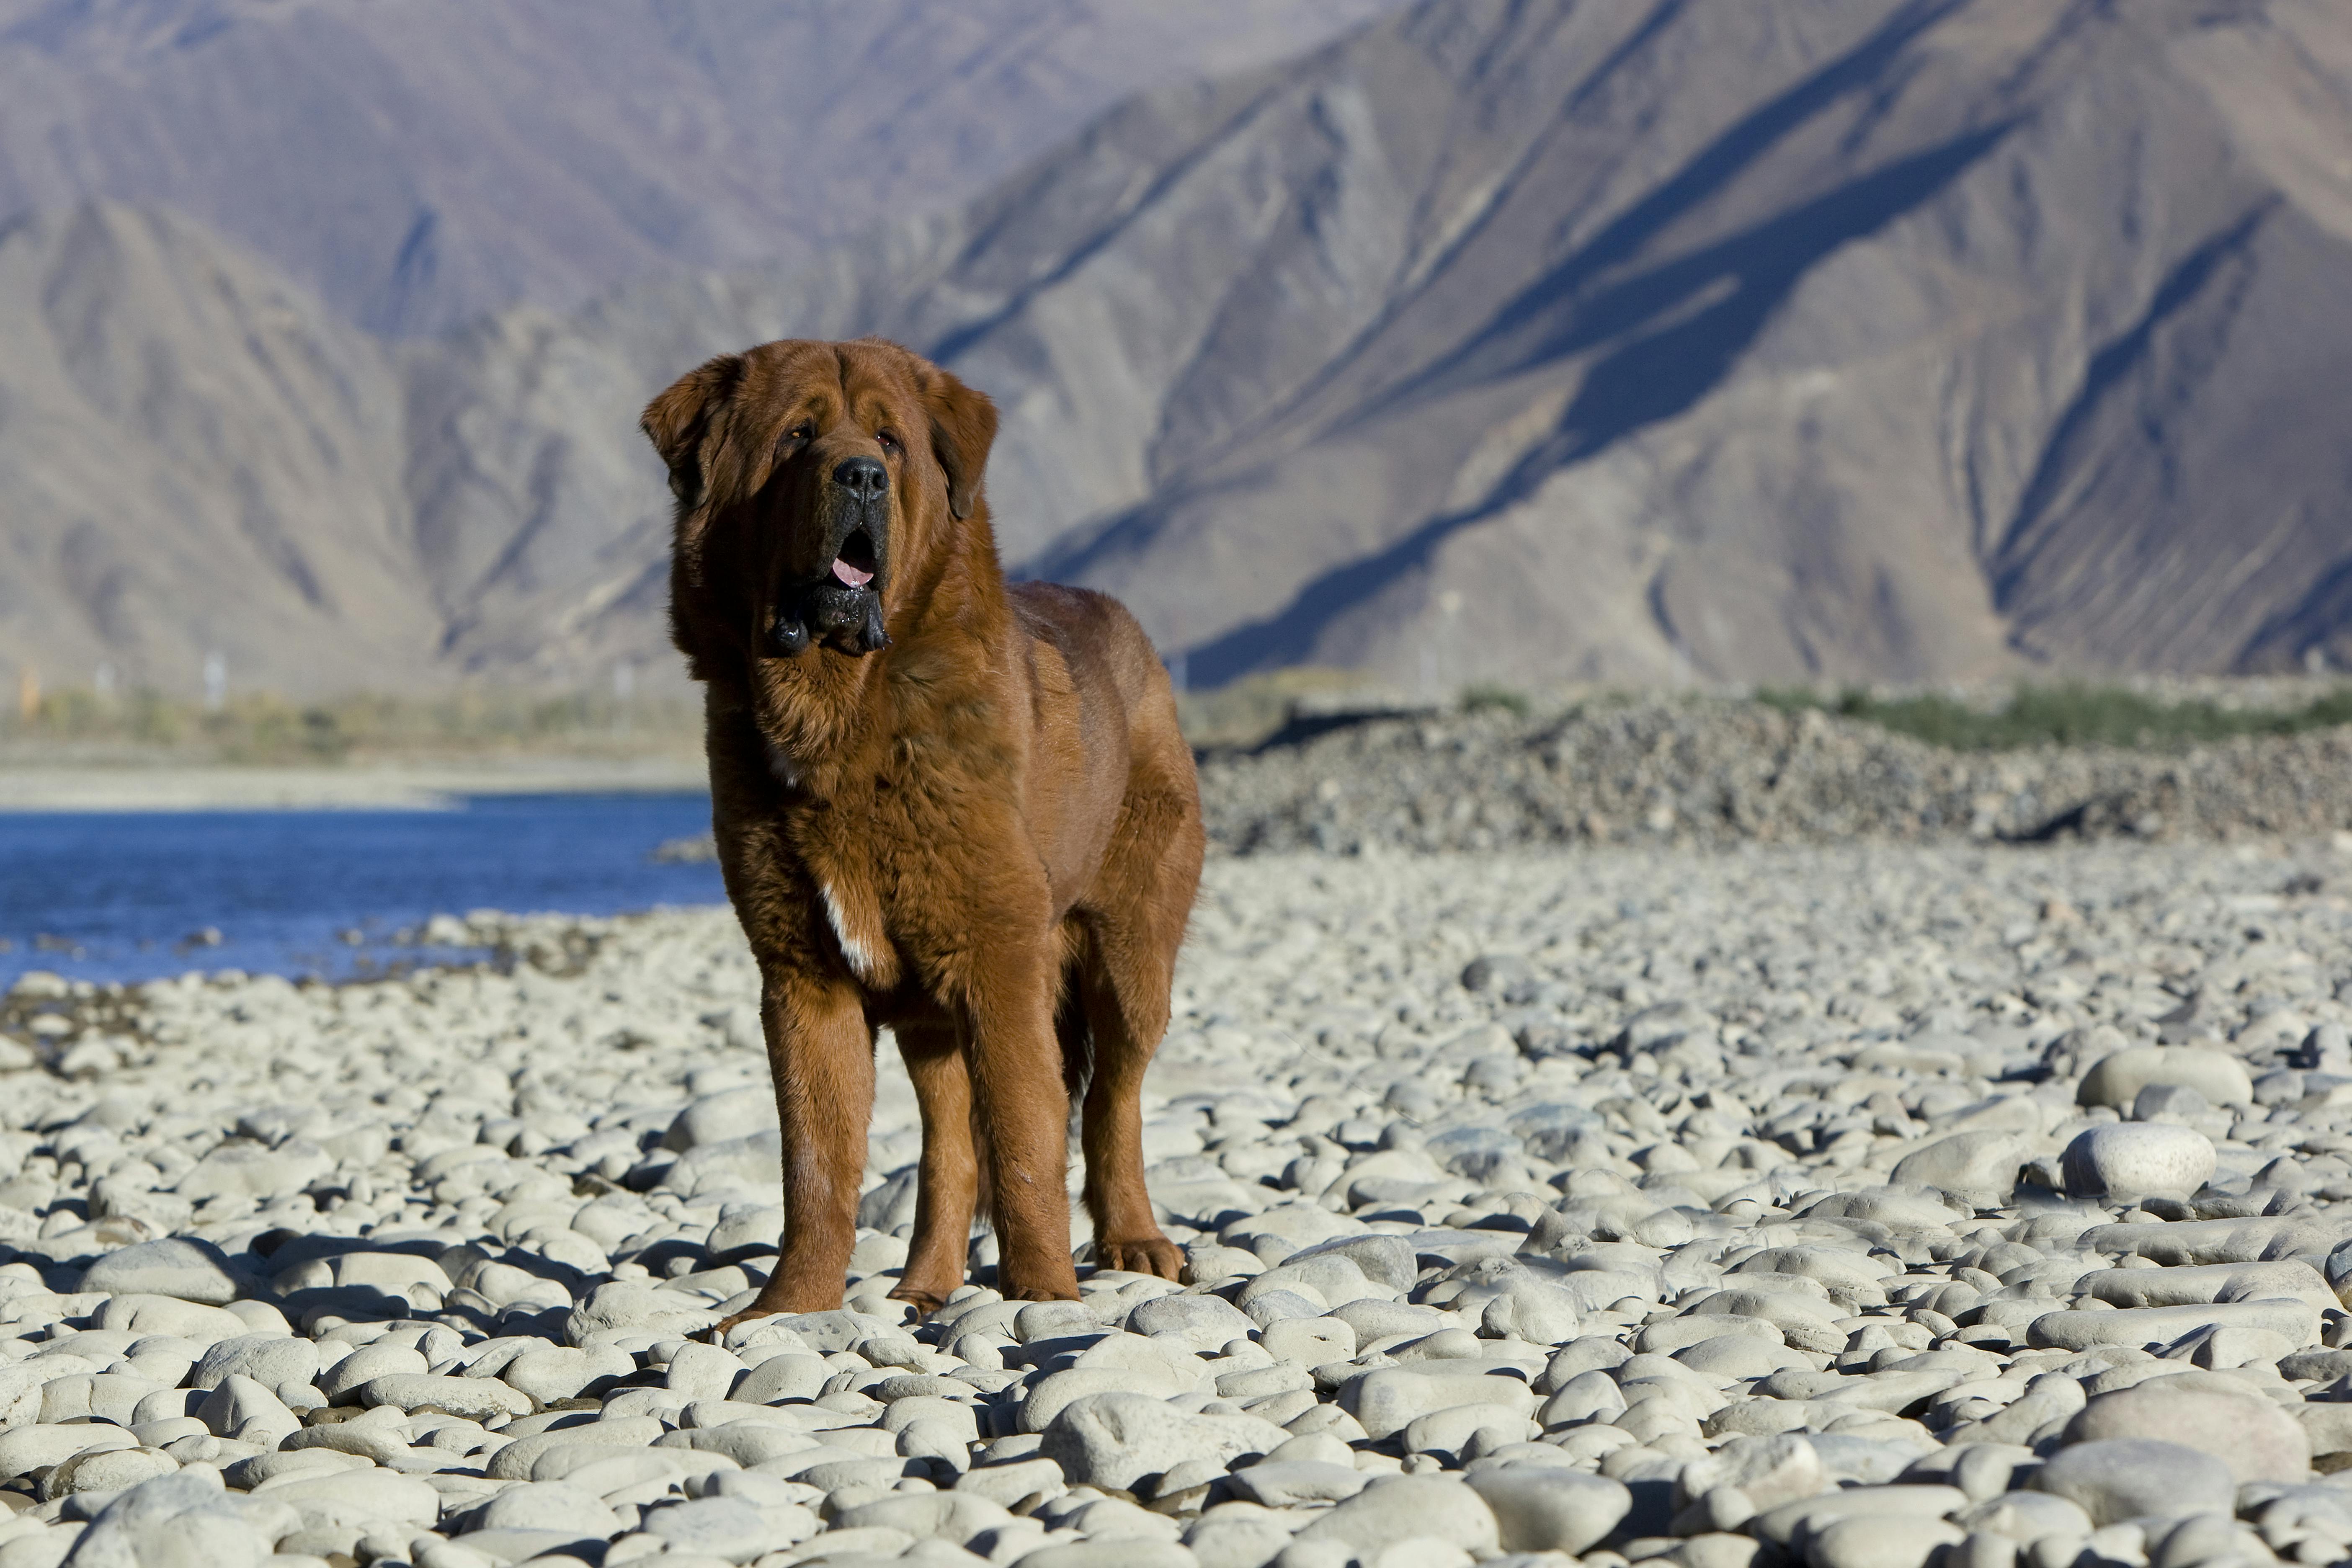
x: 848, y: 895
x: 857, y: 929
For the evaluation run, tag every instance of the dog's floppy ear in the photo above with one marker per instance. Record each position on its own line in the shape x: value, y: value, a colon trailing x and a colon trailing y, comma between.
x: 676, y: 421
x: 963, y: 427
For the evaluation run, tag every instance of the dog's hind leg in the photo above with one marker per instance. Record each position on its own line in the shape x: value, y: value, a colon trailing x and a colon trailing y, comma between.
x: 1124, y: 983
x: 950, y: 1176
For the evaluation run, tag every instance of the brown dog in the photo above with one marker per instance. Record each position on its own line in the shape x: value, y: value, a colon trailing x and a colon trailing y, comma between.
x: 954, y: 807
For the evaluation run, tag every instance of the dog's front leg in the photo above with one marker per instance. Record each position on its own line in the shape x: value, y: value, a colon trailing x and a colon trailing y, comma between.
x: 822, y: 1052
x: 1024, y: 1114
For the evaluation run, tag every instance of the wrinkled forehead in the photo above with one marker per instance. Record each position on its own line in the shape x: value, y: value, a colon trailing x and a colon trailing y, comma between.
x: 824, y: 379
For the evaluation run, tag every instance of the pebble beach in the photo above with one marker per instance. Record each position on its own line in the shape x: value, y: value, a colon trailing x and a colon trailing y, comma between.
x: 1859, y: 1206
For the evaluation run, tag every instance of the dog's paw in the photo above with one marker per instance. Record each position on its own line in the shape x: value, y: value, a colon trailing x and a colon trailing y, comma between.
x: 783, y: 1306
x: 1148, y: 1255
x: 925, y: 1302
x: 719, y: 1330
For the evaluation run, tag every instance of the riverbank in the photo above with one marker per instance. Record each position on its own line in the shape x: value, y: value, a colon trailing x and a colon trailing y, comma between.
x: 386, y: 786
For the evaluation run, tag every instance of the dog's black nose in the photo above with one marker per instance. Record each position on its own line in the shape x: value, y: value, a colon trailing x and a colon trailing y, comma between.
x: 864, y: 478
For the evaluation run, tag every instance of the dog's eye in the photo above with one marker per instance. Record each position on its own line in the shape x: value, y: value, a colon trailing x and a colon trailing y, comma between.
x: 889, y: 442
x: 804, y: 431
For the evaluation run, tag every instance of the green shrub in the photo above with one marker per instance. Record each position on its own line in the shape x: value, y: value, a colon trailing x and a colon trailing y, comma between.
x: 2071, y: 714
x: 1489, y: 696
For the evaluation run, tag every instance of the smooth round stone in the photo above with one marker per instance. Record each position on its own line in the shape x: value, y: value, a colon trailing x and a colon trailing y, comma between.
x: 2124, y: 1478
x: 1768, y: 1471
x: 2025, y: 1517
x: 2131, y: 1160
x: 1879, y: 1542
x: 1113, y: 1439
x: 2217, y: 1416
x: 115, y: 1469
x: 548, y: 1505
x: 472, y: 1398
x: 2116, y: 1080
x: 1911, y: 1503
x: 1541, y: 1508
x: 1979, y: 1161
x: 1433, y: 1505
x: 182, y: 1267
x: 2156, y: 1327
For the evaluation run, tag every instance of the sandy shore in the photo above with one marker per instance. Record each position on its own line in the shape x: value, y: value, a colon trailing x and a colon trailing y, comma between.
x: 388, y: 788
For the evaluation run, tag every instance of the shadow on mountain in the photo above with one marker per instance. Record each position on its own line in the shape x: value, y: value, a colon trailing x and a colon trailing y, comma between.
x: 1702, y: 312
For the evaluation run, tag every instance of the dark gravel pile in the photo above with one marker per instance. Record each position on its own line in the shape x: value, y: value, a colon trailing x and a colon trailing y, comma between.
x: 1721, y: 772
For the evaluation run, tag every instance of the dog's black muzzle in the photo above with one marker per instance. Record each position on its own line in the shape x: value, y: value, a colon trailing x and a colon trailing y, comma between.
x: 841, y: 605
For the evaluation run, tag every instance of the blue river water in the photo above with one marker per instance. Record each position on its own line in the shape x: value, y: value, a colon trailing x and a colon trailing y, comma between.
x: 125, y: 895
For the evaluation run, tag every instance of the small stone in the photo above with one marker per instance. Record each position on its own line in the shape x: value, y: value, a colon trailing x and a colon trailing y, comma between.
x: 1310, y: 1341
x: 2132, y: 1159
x: 628, y: 1304
x: 1879, y: 1542
x: 955, y: 1515
x: 1508, y: 975
x: 1976, y: 1162
x: 181, y: 1518
x: 2116, y: 1080
x: 716, y: 1118
x: 2161, y: 1100
x: 782, y: 1377
x: 360, y: 1497
x: 1767, y: 1470
x: 1203, y: 1322
x: 1539, y: 1508
x: 2254, y: 1437
x: 181, y: 1267
x: 1119, y: 1551
x: 1113, y: 1440
x: 746, y: 1232
x: 471, y: 1398
x: 2025, y: 1517
x: 2124, y: 1478
x: 274, y: 1360
x: 1813, y: 1514
x: 559, y: 1372
x: 1387, y: 1399
x: 1437, y: 1506
x: 1054, y: 1321
x: 1459, y: 1429
x: 242, y: 1409
x: 1288, y: 1483
x: 111, y: 1470
x: 2154, y: 1328
x: 548, y: 1505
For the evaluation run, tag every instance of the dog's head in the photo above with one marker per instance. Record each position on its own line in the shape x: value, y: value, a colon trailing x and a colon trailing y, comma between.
x: 818, y: 487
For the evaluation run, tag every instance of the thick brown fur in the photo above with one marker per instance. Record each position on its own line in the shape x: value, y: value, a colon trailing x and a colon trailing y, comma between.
x: 986, y: 823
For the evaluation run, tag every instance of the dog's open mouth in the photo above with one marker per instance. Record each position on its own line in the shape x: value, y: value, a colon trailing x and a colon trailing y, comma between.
x: 853, y: 567
x: 841, y: 608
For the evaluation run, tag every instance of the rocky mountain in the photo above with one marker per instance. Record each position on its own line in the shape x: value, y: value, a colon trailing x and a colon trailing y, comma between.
x: 1500, y: 338
x: 419, y: 166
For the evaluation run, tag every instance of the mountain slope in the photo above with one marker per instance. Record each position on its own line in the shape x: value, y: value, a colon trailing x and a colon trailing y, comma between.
x: 1529, y: 341
x: 1931, y: 339
x: 418, y: 166
x: 195, y: 458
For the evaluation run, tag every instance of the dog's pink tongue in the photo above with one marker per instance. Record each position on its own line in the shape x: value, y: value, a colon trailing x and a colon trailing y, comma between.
x: 850, y: 575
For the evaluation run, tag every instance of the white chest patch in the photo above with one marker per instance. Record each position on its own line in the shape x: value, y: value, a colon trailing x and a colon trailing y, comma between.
x: 781, y: 767
x: 860, y: 956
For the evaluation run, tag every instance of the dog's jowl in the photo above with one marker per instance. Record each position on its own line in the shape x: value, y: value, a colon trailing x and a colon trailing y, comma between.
x: 946, y: 804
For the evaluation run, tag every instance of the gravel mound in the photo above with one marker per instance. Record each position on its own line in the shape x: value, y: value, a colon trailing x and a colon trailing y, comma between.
x: 1836, y: 1206
x: 1713, y: 772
